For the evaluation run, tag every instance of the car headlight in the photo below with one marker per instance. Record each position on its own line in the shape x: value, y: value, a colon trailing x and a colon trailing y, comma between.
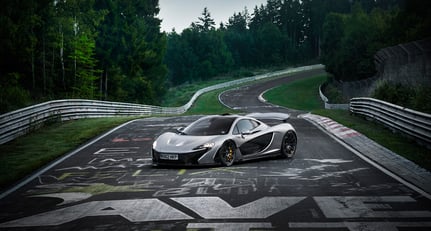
x: 205, y: 146
x: 154, y: 144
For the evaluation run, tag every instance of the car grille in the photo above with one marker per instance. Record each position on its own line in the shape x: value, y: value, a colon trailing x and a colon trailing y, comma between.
x: 183, y: 158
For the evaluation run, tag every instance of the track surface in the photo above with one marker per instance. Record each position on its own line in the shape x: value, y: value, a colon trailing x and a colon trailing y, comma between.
x: 110, y: 185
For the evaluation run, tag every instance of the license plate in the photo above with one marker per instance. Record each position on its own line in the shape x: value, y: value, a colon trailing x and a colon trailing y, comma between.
x: 169, y: 156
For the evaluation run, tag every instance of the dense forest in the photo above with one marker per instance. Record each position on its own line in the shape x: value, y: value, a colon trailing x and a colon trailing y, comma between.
x: 344, y: 35
x: 114, y: 49
x: 92, y: 49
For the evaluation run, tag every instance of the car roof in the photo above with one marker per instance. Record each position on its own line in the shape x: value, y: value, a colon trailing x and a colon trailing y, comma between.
x: 229, y: 116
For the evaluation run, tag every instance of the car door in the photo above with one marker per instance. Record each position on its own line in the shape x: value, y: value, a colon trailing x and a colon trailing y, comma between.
x: 253, y: 140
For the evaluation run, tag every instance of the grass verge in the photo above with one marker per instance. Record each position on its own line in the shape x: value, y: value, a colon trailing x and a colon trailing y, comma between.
x: 28, y: 153
x: 303, y: 95
x: 299, y: 94
x: 180, y: 95
x: 208, y: 103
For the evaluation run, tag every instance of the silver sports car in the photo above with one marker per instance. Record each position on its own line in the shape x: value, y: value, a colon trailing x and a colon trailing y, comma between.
x: 225, y: 139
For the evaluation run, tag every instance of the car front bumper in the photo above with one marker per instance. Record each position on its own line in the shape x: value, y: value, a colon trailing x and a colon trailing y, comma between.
x: 178, y: 159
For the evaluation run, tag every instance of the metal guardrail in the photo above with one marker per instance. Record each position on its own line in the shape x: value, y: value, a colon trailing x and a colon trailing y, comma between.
x: 22, y: 121
x: 413, y: 123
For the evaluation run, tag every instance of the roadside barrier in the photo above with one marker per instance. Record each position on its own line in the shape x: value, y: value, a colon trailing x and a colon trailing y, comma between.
x: 413, y: 123
x: 16, y: 123
x: 331, y: 105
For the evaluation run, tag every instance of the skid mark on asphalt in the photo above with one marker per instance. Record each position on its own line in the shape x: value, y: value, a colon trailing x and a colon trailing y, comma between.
x: 113, y: 158
x: 116, y: 184
x: 222, y: 171
x: 241, y: 180
x: 333, y: 161
x: 294, y: 174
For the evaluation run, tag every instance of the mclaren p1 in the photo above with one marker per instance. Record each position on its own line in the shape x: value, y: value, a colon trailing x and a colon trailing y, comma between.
x: 226, y: 139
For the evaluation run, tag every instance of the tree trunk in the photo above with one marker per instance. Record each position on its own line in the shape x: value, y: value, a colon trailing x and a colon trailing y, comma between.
x: 63, y: 71
x: 101, y: 86
x: 33, y: 75
x: 106, y: 85
x: 43, y: 64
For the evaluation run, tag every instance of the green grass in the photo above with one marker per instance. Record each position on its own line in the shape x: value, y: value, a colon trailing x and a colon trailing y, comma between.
x: 28, y: 153
x: 180, y: 95
x: 300, y: 94
x: 209, y: 104
x: 304, y: 95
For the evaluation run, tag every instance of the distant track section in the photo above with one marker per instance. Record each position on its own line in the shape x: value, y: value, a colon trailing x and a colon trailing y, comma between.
x: 22, y: 121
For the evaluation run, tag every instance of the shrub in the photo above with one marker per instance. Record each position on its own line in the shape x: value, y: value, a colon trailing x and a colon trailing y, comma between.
x: 422, y: 101
x: 331, y: 91
x: 416, y: 98
x: 334, y: 95
x: 12, y: 95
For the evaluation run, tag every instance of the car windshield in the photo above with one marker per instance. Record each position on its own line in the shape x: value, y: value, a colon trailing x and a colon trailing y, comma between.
x: 210, y: 126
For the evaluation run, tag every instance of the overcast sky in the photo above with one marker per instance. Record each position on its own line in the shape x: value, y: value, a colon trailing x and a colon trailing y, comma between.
x: 179, y: 14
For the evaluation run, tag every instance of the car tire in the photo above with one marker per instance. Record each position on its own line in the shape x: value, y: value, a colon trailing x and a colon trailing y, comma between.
x: 227, y: 153
x: 288, y: 144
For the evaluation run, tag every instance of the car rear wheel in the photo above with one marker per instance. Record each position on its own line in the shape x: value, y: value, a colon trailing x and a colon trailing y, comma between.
x: 227, y: 153
x: 288, y: 144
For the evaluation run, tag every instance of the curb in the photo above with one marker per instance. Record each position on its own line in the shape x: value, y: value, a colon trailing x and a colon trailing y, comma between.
x: 394, y: 165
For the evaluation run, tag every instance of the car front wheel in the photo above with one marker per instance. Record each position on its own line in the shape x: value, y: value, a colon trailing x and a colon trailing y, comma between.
x: 227, y: 153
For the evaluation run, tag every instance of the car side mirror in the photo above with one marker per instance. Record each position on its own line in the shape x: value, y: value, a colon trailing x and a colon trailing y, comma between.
x: 246, y: 133
x: 180, y: 130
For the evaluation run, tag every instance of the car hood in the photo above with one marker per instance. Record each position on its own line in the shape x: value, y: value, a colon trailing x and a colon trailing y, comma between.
x: 172, y: 142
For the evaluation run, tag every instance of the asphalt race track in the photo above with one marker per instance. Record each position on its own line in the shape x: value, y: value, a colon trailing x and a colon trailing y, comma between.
x: 110, y: 184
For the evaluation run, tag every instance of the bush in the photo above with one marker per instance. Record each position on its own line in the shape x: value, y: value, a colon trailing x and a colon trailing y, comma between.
x: 422, y: 101
x: 416, y: 98
x: 243, y: 74
x: 334, y: 95
x: 395, y: 93
x: 331, y: 91
x: 12, y: 95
